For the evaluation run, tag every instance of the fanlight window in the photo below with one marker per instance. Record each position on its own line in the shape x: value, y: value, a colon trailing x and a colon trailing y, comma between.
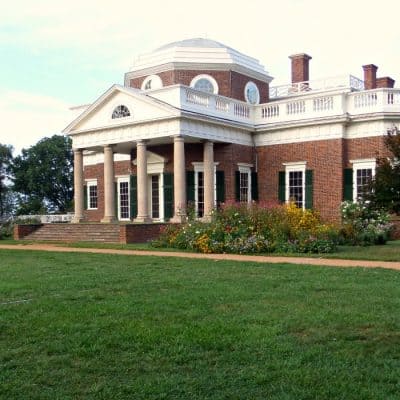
x: 205, y: 83
x: 120, y: 111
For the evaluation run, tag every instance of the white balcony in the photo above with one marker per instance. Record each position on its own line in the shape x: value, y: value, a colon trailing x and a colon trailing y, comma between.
x: 300, y: 106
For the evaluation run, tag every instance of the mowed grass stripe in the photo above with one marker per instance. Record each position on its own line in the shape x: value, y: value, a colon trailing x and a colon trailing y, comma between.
x: 124, y: 327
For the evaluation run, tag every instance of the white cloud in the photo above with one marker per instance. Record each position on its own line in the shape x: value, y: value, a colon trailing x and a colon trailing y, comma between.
x: 28, y: 117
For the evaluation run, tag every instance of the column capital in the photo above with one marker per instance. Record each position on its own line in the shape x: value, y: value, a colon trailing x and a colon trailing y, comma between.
x: 142, y: 142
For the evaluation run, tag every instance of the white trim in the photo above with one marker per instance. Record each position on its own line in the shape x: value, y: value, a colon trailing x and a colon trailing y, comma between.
x: 198, y: 166
x: 89, y: 183
x: 209, y: 78
x: 155, y: 84
x: 122, y: 179
x: 246, y: 169
x: 299, y: 166
x: 249, y: 85
x: 365, y: 163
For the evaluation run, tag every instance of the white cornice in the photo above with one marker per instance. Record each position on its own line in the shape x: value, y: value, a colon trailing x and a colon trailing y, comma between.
x: 196, y: 67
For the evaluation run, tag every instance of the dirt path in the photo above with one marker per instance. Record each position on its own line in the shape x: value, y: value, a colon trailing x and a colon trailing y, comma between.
x: 235, y: 257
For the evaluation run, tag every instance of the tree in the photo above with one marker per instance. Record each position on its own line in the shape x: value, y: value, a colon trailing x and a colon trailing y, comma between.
x: 384, y: 191
x: 6, y: 159
x: 43, y: 176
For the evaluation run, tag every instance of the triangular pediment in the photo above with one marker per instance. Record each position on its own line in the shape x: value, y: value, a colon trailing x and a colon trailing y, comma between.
x: 120, y: 106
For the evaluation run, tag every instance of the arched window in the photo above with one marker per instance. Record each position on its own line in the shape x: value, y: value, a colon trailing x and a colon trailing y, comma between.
x: 120, y: 111
x: 152, y: 82
x: 205, y: 83
x: 251, y: 93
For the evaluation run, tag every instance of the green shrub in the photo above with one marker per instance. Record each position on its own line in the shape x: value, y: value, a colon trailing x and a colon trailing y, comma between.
x: 244, y: 229
x: 364, y: 225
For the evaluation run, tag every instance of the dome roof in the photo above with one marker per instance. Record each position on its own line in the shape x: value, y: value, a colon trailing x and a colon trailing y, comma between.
x: 195, y: 42
x: 198, y: 53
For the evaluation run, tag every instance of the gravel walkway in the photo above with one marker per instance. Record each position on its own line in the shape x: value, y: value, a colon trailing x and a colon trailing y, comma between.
x: 235, y: 257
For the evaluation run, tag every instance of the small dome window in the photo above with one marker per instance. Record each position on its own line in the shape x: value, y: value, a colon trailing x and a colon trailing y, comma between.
x: 205, y: 83
x: 152, y: 82
x: 120, y: 111
x: 251, y: 93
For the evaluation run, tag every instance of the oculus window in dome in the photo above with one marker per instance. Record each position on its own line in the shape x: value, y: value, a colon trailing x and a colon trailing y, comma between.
x: 205, y: 83
x: 251, y: 93
x: 120, y: 111
x: 152, y: 82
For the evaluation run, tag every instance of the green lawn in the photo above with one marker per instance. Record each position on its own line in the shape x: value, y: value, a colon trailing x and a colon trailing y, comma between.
x: 88, y: 326
x: 388, y: 252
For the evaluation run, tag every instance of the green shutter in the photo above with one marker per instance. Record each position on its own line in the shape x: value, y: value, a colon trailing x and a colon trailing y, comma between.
x: 133, y: 196
x: 85, y: 197
x: 309, y: 189
x: 237, y: 185
x: 190, y: 186
x: 220, y: 177
x: 282, y: 187
x: 168, y: 195
x: 348, y: 184
x: 254, y: 186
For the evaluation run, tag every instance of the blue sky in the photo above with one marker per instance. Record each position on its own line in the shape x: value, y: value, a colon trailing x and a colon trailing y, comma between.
x: 59, y: 54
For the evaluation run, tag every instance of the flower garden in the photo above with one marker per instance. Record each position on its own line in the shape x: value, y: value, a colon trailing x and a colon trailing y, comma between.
x: 251, y: 229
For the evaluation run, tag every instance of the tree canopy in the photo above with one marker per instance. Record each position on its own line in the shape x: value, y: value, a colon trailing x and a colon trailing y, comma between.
x: 6, y: 159
x: 385, y: 187
x: 43, y: 177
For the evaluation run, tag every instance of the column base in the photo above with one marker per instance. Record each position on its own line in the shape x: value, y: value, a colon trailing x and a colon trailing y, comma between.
x: 143, y: 220
x: 178, y: 219
x: 206, y: 218
x: 76, y: 220
x: 108, y: 220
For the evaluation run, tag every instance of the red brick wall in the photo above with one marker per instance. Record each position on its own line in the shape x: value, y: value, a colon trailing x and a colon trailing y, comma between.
x: 20, y: 231
x: 139, y: 233
x: 230, y: 84
x: 323, y: 157
x: 372, y: 147
x: 97, y: 172
x: 238, y: 83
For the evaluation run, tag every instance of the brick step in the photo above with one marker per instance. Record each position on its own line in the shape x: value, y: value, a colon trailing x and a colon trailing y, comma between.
x: 72, y: 232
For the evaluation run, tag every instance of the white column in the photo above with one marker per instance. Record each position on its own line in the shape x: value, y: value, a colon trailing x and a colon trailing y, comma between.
x: 179, y: 180
x: 109, y: 186
x: 142, y: 201
x: 78, y: 186
x: 208, y: 161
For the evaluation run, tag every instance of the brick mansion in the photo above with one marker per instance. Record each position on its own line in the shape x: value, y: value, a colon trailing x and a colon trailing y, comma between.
x: 198, y: 123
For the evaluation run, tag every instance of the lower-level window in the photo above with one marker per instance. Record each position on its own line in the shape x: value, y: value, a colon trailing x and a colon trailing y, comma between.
x: 92, y: 195
x: 155, y: 196
x: 123, y: 198
x: 244, y: 187
x: 296, y: 188
x: 363, y: 172
x: 295, y: 183
x: 200, y: 194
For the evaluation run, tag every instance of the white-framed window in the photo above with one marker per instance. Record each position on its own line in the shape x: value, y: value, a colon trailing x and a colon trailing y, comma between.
x: 123, y: 198
x: 205, y: 83
x: 244, y: 183
x: 363, y: 172
x: 152, y: 82
x: 251, y: 93
x: 199, y: 187
x: 295, y: 177
x: 91, y: 187
x: 120, y: 111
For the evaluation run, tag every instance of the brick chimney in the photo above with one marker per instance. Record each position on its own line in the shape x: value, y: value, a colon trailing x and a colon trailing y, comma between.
x: 370, y: 76
x: 385, y: 82
x: 300, y: 67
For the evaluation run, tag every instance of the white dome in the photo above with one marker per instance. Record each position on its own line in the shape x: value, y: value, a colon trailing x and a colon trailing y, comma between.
x: 199, y: 53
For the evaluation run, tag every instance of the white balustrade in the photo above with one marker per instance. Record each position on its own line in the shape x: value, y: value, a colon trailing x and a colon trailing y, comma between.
x: 306, y: 104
